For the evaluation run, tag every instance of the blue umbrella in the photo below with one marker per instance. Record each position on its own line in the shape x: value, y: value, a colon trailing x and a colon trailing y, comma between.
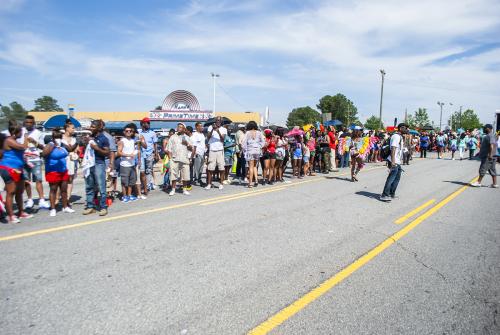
x: 413, y: 132
x: 60, y: 121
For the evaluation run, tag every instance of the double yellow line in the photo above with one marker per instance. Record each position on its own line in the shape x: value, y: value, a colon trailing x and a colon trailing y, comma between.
x: 299, y: 304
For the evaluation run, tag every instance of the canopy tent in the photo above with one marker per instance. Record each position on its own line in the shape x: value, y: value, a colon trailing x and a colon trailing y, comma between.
x: 333, y: 123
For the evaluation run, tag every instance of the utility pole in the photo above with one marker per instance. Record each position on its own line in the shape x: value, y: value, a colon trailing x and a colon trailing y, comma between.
x: 440, y: 115
x: 460, y: 117
x: 382, y: 72
x: 214, y: 76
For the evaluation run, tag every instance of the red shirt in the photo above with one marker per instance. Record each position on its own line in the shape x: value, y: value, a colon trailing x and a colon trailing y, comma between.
x: 333, y: 141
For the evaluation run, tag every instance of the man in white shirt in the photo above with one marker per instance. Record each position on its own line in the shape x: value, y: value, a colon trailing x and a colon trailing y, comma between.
x: 33, y: 165
x: 199, y: 149
x: 216, y: 134
x: 394, y: 160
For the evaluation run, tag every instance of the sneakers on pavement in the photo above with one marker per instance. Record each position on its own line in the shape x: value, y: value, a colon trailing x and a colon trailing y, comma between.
x: 68, y: 210
x: 186, y: 192
x: 475, y: 184
x: 52, y: 212
x: 13, y: 219
x: 142, y: 197
x: 494, y: 185
x: 208, y: 187
x: 103, y: 212
x: 43, y: 204
x: 132, y: 198
x: 88, y: 211
x: 385, y: 198
x: 172, y: 192
x: 221, y: 187
x: 24, y: 215
x: 29, y: 203
x: 125, y: 199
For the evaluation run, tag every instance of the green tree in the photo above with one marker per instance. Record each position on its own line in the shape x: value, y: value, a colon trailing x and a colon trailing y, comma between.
x: 467, y: 120
x: 373, y: 123
x: 158, y: 108
x: 15, y: 111
x: 302, y: 116
x: 340, y: 107
x: 419, y: 119
x: 47, y: 104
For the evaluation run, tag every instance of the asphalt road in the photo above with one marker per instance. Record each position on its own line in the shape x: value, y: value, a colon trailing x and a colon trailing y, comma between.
x: 224, y: 262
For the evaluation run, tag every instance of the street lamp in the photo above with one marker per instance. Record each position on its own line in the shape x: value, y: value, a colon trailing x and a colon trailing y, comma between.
x: 214, y: 76
x: 382, y: 72
x: 440, y: 115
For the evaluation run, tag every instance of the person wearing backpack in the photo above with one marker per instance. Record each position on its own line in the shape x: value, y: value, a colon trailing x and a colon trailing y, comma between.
x: 472, y: 144
x: 394, y: 163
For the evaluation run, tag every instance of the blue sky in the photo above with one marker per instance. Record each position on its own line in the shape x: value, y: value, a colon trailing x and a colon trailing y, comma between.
x: 128, y: 55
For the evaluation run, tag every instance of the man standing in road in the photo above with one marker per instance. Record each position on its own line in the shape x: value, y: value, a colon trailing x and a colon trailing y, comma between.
x: 33, y: 163
x: 200, y: 147
x: 396, y: 147
x: 333, y: 147
x: 216, y: 134
x: 487, y: 153
x: 94, y: 169
x: 179, y: 149
x: 149, y: 153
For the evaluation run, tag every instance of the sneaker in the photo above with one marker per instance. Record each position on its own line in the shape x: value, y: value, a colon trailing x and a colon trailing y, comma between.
x: 132, y: 198
x: 494, y: 185
x: 29, y: 203
x: 475, y: 184
x: 172, y: 192
x: 142, y: 197
x: 52, y: 212
x: 245, y: 181
x: 88, y: 211
x: 125, y: 199
x: 225, y: 182
x: 186, y: 192
x: 189, y: 188
x: 68, y: 210
x: 208, y: 187
x: 25, y: 215
x: 103, y: 212
x: 13, y: 219
x: 221, y: 187
x: 287, y: 181
x: 43, y: 204
x: 385, y: 198
x: 394, y: 197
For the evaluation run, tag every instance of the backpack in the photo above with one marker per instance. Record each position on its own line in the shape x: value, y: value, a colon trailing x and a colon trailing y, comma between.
x: 385, y: 152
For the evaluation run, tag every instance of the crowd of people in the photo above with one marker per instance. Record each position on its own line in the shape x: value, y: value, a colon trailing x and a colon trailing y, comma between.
x: 250, y: 155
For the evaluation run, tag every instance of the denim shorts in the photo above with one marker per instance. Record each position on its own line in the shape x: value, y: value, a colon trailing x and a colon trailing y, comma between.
x: 147, y: 164
x: 33, y: 173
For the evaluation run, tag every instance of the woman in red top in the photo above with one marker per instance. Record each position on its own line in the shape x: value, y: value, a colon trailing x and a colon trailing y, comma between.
x: 269, y: 157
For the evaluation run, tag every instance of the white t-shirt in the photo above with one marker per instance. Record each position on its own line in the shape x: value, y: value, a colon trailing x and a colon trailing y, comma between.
x: 19, y: 140
x: 198, y: 140
x: 32, y: 153
x: 128, y: 149
x: 396, y: 142
x: 215, y: 142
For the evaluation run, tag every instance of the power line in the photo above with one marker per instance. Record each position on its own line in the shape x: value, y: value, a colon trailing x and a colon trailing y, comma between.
x: 232, y: 98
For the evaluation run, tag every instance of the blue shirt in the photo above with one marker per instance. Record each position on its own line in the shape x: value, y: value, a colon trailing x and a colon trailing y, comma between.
x: 56, y: 160
x: 229, y: 147
x: 151, y: 139
x: 424, y: 142
x: 102, y: 142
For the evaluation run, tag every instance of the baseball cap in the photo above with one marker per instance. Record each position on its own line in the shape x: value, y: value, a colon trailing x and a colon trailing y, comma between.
x: 489, y: 126
x: 146, y: 120
x: 402, y: 124
x: 241, y: 125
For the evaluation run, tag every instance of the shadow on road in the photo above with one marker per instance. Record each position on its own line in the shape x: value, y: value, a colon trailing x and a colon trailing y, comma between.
x: 369, y: 195
x: 456, y: 182
x: 340, y: 178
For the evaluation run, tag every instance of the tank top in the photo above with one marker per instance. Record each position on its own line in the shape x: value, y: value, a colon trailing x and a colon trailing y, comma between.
x: 56, y: 161
x: 271, y: 145
x: 13, y: 159
x: 128, y: 148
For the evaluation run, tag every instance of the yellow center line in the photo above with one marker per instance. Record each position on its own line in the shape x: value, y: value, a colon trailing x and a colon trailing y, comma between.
x: 415, y: 211
x: 299, y: 304
x: 161, y: 209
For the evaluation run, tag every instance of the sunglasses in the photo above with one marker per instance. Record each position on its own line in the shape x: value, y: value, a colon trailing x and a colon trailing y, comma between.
x: 128, y: 131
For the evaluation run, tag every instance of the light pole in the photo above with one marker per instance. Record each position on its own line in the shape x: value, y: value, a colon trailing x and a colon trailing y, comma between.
x: 382, y: 72
x: 214, y: 76
x: 440, y: 115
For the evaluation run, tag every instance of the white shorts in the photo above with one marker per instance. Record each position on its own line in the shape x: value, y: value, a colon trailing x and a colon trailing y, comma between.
x: 216, y: 159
